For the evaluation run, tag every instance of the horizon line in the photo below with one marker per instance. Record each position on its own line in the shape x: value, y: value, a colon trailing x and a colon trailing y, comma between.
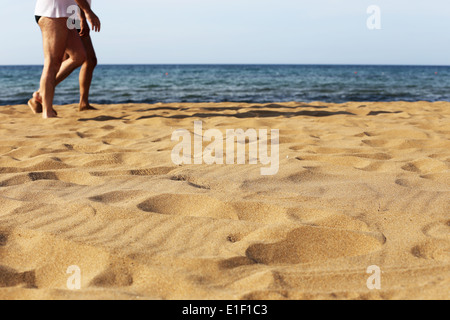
x: 244, y: 64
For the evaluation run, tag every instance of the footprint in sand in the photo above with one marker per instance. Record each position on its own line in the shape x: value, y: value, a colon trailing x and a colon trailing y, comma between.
x: 136, y: 172
x: 193, y: 205
x: 22, y: 265
x: 116, y: 275
x: 411, y: 167
x: 407, y: 183
x: 202, y: 205
x: 376, y: 143
x: 11, y: 278
x: 30, y: 177
x: 314, y: 244
x: 327, y: 218
x: 438, y: 230
x: 3, y: 239
x: 81, y: 178
x: 117, y: 196
x: 426, y: 166
x: 437, y: 247
x: 433, y: 249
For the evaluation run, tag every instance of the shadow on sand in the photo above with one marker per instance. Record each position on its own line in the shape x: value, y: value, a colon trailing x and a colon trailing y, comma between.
x: 252, y: 112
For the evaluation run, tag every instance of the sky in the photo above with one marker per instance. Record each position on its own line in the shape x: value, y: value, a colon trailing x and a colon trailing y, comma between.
x: 413, y: 32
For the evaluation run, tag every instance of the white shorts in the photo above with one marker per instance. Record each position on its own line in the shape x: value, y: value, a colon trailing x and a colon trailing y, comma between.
x: 54, y: 8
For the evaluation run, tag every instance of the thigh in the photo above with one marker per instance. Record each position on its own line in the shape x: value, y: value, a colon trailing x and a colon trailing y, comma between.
x: 89, y: 47
x: 55, y: 35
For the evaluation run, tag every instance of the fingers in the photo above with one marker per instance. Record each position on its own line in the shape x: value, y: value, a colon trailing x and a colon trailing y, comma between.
x: 84, y: 32
x: 95, y: 22
x: 96, y: 25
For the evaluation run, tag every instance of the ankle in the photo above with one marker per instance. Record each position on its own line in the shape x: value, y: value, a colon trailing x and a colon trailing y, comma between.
x: 37, y: 96
x: 49, y: 114
x: 84, y: 105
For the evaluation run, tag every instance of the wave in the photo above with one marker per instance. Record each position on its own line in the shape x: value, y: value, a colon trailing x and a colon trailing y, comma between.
x: 251, y: 83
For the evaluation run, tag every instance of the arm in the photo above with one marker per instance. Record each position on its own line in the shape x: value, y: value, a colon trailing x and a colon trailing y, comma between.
x: 84, y: 26
x: 89, y: 14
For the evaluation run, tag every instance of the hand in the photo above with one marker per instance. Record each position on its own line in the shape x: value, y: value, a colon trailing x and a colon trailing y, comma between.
x: 94, y: 20
x: 84, y: 28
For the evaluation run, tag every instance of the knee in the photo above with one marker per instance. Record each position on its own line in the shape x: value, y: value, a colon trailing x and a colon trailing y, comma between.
x: 91, y: 62
x: 52, y: 65
x: 79, y: 59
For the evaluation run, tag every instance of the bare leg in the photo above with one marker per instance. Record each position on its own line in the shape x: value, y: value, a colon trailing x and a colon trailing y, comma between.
x: 87, y: 73
x: 75, y: 54
x: 73, y: 57
x: 54, y: 35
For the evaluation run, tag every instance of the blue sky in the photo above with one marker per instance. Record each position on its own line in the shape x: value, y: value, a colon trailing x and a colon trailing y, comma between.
x: 247, y: 31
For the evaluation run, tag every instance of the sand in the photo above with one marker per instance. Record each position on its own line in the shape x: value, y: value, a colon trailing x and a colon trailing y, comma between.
x: 359, y: 185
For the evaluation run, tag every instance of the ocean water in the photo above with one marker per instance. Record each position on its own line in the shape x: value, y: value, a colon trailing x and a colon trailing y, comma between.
x: 237, y: 83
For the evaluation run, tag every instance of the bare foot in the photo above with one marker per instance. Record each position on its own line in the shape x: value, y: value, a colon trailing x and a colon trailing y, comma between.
x: 35, y: 106
x: 87, y: 108
x: 51, y: 114
x: 38, y: 100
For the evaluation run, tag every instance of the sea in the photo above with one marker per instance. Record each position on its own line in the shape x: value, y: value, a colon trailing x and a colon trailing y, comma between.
x: 118, y: 84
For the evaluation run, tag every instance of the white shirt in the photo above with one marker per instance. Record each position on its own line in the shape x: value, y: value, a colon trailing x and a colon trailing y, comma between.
x: 55, y: 8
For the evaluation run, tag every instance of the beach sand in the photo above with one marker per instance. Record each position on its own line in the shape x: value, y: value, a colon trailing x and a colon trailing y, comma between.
x: 359, y: 185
